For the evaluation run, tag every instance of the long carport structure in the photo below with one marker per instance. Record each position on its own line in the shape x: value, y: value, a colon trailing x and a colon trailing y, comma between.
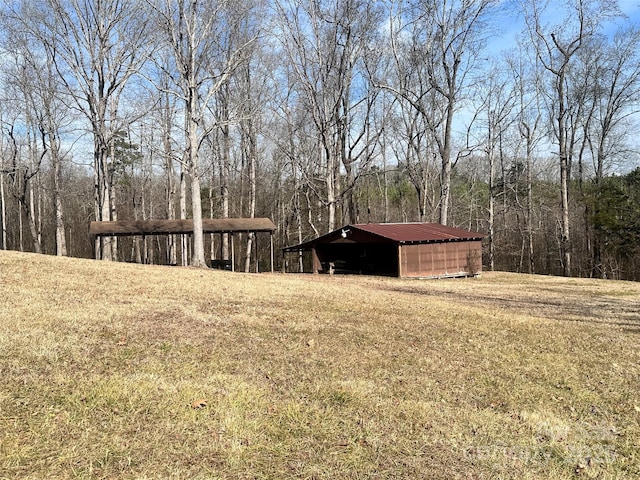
x: 219, y: 226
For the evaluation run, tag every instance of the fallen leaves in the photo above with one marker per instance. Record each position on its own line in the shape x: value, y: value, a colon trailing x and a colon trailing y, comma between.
x: 199, y: 404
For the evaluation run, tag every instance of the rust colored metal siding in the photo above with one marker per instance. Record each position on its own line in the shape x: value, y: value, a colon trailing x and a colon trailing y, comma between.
x: 450, y: 259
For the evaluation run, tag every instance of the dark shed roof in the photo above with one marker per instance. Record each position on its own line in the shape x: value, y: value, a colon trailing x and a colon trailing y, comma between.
x: 399, y: 233
x: 165, y: 227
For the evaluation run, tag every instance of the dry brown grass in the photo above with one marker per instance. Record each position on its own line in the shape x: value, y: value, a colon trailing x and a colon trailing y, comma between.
x: 316, y: 377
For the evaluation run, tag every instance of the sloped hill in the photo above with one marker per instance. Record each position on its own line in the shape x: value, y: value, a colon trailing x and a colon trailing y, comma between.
x: 125, y: 371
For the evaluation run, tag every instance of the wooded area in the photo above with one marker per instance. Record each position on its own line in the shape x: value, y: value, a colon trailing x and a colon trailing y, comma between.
x: 317, y: 114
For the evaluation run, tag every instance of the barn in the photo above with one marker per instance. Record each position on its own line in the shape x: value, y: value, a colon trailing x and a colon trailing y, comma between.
x: 406, y: 250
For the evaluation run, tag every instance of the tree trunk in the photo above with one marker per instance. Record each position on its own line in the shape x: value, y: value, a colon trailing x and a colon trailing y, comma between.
x: 492, y: 201
x: 331, y: 199
x: 212, y: 244
x: 61, y: 242
x: 172, y: 257
x: 111, y: 195
x: 332, y: 189
x: 225, y: 174
x: 136, y: 254
x: 184, y: 250
x: 530, y: 263
x: 193, y: 147
x: 445, y: 191
x: 32, y: 221
x: 564, y: 183
x: 445, y: 155
x: 197, y: 259
x: 104, y: 198
x: 20, y: 229
x: 3, y: 213
x: 251, y: 166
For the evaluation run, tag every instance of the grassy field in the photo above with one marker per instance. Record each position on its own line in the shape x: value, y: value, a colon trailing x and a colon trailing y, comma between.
x: 124, y: 371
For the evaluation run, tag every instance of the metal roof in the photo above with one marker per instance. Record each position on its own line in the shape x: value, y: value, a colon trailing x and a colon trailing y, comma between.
x: 417, y: 232
x: 164, y: 227
x: 400, y: 233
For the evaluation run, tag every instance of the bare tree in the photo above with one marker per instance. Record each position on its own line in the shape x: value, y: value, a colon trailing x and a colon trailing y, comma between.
x: 249, y: 125
x: 435, y: 46
x: 4, y: 171
x: 51, y: 114
x: 23, y: 174
x: 497, y: 101
x: 416, y: 157
x: 27, y: 136
x: 3, y: 201
x: 557, y: 47
x: 529, y: 117
x: 96, y: 47
x: 324, y: 42
x: 44, y: 109
x: 192, y: 31
x: 166, y: 109
x: 292, y: 134
x: 612, y: 82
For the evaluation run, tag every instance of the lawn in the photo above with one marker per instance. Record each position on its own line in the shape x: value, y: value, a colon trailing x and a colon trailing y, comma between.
x: 112, y: 370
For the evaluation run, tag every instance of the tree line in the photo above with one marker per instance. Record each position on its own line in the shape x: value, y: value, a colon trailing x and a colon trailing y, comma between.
x: 320, y: 113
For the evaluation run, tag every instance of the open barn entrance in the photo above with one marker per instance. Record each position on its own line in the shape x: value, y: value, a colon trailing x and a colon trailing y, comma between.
x: 358, y: 258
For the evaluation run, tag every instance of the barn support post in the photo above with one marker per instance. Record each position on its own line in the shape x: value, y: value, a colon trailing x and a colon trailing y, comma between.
x: 233, y: 254
x: 400, y: 261
x: 271, y: 242
x: 255, y: 238
x: 317, y: 266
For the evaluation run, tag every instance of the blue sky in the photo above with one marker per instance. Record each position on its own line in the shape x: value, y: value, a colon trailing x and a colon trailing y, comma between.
x: 631, y: 8
x: 512, y: 24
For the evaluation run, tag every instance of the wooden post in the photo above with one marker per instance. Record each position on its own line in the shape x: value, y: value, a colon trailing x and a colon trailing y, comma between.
x: 255, y: 240
x: 233, y: 255
x: 317, y: 266
x: 271, y: 240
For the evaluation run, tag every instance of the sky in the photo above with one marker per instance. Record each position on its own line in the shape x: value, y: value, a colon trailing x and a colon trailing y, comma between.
x: 512, y: 24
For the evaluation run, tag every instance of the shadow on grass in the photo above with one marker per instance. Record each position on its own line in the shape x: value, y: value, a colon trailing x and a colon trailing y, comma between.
x: 574, y: 308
